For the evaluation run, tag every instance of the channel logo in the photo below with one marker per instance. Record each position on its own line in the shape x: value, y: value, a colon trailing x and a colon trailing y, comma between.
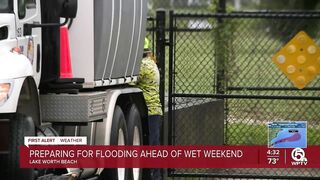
x: 299, y: 157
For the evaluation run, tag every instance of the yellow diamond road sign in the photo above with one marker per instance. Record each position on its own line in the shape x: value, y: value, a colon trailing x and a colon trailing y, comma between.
x: 299, y: 60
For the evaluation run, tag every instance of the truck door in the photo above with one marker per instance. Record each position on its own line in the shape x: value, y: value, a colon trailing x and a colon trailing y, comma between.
x: 28, y: 11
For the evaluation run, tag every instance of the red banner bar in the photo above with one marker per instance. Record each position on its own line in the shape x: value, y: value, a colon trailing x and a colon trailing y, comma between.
x: 168, y: 157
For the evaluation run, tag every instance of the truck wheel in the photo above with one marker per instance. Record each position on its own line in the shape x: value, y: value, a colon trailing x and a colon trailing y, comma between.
x: 135, y: 137
x: 20, y: 126
x: 119, y: 136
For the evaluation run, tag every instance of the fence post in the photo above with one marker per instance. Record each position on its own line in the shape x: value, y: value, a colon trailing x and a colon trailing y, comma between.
x: 220, y: 51
x: 161, y: 57
x: 170, y: 83
x: 220, y: 56
x: 222, y: 6
x: 161, y: 51
x: 171, y: 127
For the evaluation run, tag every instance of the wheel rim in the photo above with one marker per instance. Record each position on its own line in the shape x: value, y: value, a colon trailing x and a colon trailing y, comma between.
x: 121, y: 141
x: 136, y: 136
x: 136, y: 142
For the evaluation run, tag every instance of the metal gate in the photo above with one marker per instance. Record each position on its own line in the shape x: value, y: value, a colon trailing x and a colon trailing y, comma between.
x: 223, y: 86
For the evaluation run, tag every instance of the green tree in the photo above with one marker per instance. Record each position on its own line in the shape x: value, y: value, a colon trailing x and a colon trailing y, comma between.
x: 280, y: 4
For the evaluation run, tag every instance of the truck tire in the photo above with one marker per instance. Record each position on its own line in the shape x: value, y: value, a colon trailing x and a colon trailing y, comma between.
x: 20, y: 126
x: 119, y: 136
x: 135, y: 137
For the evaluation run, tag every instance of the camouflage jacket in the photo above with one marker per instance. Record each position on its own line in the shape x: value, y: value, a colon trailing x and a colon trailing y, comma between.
x: 148, y: 82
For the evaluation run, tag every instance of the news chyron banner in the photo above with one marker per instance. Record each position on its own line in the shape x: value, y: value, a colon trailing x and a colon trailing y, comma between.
x: 287, y: 148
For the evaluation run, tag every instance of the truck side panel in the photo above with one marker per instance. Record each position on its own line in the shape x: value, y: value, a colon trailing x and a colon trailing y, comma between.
x: 117, y: 37
x: 102, y: 36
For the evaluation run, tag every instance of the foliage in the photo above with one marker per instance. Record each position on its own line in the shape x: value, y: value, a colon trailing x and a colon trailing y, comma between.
x: 214, y: 5
x: 279, y: 5
x: 289, y: 5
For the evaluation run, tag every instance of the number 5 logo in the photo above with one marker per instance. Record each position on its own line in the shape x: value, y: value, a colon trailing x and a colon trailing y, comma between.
x: 298, y: 154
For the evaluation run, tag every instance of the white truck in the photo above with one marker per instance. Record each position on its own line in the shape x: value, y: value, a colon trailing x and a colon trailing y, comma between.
x: 106, y: 42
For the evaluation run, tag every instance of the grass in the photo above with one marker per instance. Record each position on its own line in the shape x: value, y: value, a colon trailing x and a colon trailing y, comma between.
x: 254, y: 134
x: 195, y: 68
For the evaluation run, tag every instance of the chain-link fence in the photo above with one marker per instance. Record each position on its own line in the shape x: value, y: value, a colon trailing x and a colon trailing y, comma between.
x: 155, y: 4
x: 224, y: 87
x: 151, y: 32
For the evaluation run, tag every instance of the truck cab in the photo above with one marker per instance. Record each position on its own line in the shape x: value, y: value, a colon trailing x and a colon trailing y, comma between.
x: 105, y: 47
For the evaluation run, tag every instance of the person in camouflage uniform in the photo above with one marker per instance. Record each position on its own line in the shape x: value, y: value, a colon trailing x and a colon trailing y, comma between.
x: 148, y: 82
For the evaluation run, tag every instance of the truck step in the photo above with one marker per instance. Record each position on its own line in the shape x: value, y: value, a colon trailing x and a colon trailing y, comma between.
x: 79, y: 108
